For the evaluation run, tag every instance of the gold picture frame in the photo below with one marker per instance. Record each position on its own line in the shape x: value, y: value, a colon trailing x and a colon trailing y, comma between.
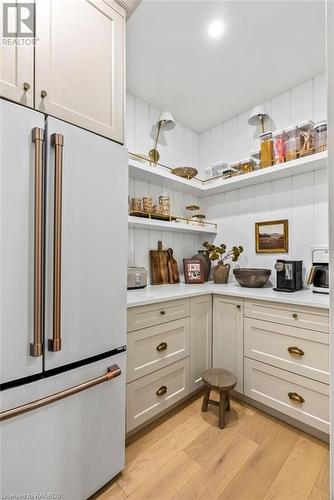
x: 272, y: 236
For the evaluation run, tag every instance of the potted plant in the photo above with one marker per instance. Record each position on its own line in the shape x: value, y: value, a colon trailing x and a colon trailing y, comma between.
x: 221, y: 256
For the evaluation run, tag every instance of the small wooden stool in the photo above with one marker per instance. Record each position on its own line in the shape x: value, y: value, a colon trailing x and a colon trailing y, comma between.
x: 222, y: 381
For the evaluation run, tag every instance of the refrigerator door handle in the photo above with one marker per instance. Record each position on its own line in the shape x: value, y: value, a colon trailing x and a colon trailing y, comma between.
x: 36, y: 347
x: 112, y: 372
x: 57, y: 142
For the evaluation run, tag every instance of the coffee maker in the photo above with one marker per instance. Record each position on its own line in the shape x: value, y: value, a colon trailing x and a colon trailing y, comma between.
x: 289, y: 275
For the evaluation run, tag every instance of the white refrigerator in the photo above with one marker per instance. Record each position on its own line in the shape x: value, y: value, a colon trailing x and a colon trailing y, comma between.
x: 63, y: 306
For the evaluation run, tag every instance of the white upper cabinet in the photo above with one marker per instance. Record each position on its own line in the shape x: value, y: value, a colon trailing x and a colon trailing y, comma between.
x: 16, y: 69
x: 79, y: 63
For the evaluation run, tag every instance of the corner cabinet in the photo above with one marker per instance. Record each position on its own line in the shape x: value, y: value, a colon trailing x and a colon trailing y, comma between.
x: 228, y: 336
x: 200, y: 338
x: 76, y: 71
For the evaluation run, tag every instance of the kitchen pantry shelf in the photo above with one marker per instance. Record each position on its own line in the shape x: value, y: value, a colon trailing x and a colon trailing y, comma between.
x: 180, y: 227
x: 144, y: 171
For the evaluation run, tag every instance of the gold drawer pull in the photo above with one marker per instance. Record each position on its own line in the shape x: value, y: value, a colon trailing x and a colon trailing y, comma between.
x: 161, y: 391
x: 295, y: 316
x: 296, y: 398
x: 162, y: 313
x: 162, y: 346
x: 295, y: 351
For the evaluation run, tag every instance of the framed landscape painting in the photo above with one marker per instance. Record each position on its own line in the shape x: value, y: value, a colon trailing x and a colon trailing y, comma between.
x: 272, y: 236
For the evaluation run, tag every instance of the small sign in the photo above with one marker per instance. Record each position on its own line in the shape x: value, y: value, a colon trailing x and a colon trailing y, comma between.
x: 193, y: 271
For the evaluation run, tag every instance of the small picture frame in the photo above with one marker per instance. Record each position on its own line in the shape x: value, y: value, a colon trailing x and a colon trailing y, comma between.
x: 272, y: 236
x: 193, y: 271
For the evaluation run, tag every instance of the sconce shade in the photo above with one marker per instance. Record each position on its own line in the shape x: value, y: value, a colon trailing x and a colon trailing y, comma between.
x: 167, y: 120
x: 256, y: 114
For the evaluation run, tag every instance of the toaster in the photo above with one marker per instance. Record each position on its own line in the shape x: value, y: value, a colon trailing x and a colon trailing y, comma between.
x: 137, y: 277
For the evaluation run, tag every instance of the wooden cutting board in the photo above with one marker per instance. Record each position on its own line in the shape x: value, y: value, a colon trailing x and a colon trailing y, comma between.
x: 173, y: 271
x: 159, y: 266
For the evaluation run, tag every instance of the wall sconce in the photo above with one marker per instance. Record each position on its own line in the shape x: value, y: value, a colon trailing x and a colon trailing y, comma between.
x: 166, y: 122
x: 258, y: 115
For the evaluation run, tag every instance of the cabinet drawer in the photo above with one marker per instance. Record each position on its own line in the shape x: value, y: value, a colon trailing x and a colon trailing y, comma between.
x: 271, y: 386
x: 143, y: 402
x: 158, y: 346
x: 155, y: 314
x: 269, y: 342
x: 310, y: 318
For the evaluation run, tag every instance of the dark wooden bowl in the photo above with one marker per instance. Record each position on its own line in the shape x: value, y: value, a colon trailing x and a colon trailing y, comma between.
x: 251, y: 277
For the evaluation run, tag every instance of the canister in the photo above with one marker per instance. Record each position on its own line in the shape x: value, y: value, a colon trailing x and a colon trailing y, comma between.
x: 320, y: 136
x: 292, y: 143
x: 267, y: 149
x: 306, y: 131
x: 279, y: 146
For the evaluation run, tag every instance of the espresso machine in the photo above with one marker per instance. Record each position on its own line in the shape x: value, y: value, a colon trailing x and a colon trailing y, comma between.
x: 289, y: 275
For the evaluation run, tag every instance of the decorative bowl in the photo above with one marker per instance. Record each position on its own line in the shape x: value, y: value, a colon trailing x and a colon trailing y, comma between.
x: 185, y: 172
x: 251, y: 277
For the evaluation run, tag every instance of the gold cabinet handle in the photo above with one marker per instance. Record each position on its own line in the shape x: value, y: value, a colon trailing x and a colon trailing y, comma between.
x: 44, y: 94
x: 295, y: 351
x: 296, y: 398
x: 57, y: 142
x: 162, y: 346
x: 161, y: 391
x: 36, y: 347
x: 295, y: 316
x: 113, y: 371
x: 26, y: 86
x: 162, y: 313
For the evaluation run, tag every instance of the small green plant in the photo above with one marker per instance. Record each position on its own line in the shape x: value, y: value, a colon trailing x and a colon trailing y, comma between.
x: 220, y: 254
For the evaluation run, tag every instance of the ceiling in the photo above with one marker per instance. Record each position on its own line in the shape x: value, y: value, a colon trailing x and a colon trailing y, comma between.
x: 267, y: 47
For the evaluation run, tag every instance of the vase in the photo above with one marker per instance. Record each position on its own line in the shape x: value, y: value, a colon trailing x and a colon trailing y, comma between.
x: 220, y: 273
x: 201, y: 255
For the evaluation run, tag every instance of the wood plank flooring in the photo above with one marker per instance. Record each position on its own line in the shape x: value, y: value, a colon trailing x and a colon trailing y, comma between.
x: 184, y: 455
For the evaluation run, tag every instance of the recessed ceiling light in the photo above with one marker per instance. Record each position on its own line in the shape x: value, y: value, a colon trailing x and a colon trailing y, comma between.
x: 215, y: 28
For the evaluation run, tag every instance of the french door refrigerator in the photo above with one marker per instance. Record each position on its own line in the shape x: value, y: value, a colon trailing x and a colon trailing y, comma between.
x: 63, y: 306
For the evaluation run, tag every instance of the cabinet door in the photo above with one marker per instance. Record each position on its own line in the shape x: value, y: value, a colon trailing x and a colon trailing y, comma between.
x: 17, y: 67
x: 200, y: 338
x: 228, y: 336
x: 80, y: 64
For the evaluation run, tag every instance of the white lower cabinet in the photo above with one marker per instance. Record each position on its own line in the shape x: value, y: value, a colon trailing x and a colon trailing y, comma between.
x: 299, y: 397
x: 228, y: 336
x: 149, y: 395
x: 200, y: 338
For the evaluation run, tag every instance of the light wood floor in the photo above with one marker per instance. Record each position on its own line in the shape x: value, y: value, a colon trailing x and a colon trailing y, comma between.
x: 184, y: 455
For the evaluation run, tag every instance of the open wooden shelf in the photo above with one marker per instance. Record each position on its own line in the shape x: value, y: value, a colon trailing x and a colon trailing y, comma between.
x: 180, y: 227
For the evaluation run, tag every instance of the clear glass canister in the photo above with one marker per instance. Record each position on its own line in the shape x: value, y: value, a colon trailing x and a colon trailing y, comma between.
x: 292, y: 143
x: 320, y: 136
x: 267, y: 149
x: 279, y: 146
x: 246, y: 165
x: 306, y: 131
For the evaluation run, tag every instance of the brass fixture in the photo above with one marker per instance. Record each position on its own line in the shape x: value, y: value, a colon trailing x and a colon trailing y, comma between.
x: 43, y: 94
x: 113, y: 371
x: 57, y: 142
x: 162, y: 346
x: 26, y: 86
x: 185, y: 172
x: 258, y: 114
x: 167, y: 122
x: 173, y: 218
x: 36, y: 347
x: 161, y: 391
x: 295, y: 351
x: 296, y: 398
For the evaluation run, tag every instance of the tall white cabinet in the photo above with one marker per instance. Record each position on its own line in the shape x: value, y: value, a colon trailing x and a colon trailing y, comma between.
x: 75, y: 72
x: 200, y: 338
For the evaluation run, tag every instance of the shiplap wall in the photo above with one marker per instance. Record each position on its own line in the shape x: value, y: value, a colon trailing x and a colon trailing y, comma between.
x: 302, y: 199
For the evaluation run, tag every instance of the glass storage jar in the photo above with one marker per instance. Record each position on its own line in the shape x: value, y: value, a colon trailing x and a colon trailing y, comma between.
x: 267, y: 149
x: 279, y: 146
x: 246, y: 165
x: 292, y: 143
x: 147, y: 204
x: 306, y: 131
x: 135, y: 204
x: 320, y: 136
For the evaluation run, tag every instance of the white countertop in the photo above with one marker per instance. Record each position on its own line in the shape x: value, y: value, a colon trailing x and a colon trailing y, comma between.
x: 161, y: 293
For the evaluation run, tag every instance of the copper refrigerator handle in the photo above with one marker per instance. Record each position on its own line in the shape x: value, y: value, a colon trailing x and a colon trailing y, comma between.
x: 57, y: 142
x: 113, y: 371
x: 36, y: 347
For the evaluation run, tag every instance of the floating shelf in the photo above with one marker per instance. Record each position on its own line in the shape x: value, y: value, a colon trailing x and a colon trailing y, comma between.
x: 199, y: 187
x: 180, y: 227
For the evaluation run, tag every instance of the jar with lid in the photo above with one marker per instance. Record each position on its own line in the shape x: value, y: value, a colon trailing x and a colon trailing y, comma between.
x: 147, y: 204
x: 306, y: 131
x: 320, y: 136
x: 235, y: 168
x: 279, y: 147
x: 292, y: 143
x: 255, y: 155
x: 136, y: 205
x: 246, y: 165
x: 267, y: 149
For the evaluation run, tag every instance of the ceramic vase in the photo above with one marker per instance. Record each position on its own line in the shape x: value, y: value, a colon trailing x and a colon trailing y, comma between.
x: 220, y: 273
x: 206, y: 262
